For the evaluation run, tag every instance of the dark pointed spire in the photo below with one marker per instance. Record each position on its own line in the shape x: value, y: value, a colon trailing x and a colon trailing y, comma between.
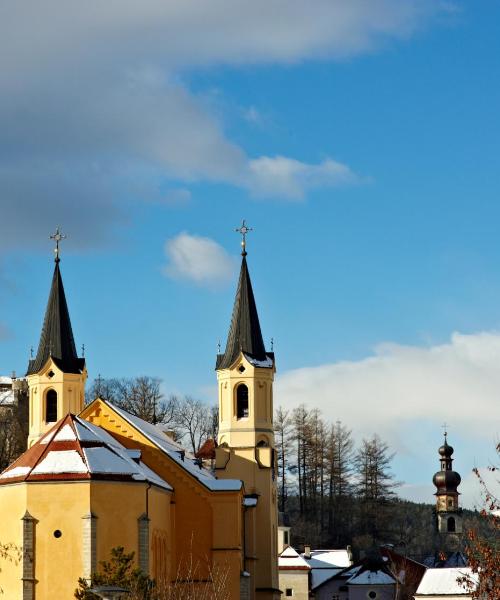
x: 57, y: 340
x: 244, y: 333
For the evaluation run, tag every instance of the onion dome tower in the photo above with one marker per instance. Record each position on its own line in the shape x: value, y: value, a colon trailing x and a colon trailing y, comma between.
x: 57, y: 375
x: 448, y: 513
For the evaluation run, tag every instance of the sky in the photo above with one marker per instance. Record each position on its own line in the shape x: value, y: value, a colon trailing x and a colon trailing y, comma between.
x: 359, y: 140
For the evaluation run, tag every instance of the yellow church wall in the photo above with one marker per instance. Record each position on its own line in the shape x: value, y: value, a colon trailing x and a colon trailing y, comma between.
x: 246, y: 452
x: 196, y: 511
x: 58, y: 561
x: 13, y: 504
x: 70, y: 389
x: 117, y: 521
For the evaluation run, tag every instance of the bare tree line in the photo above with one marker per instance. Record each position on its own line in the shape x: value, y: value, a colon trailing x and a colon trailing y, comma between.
x: 187, y: 419
x: 335, y: 489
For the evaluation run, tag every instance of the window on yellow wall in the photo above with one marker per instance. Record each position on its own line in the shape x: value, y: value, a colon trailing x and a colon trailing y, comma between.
x: 241, y: 401
x: 51, y: 407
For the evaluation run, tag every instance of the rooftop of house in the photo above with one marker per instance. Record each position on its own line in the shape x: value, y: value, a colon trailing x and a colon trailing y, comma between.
x: 290, y: 559
x: 444, y: 581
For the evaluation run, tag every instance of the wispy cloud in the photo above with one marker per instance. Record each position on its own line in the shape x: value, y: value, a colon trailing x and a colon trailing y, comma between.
x: 5, y: 332
x: 198, y: 259
x: 110, y: 126
x: 289, y: 178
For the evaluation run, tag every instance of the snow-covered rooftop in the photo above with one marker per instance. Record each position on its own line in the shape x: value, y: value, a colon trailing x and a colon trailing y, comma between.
x: 291, y: 559
x: 366, y: 577
x: 325, y: 564
x: 76, y: 449
x: 177, y: 453
x: 7, y: 397
x: 444, y: 582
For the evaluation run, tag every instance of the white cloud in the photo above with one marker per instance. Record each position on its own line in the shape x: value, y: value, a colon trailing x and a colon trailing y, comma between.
x: 458, y: 382
x: 198, y: 259
x: 405, y: 393
x: 291, y: 178
x: 93, y: 110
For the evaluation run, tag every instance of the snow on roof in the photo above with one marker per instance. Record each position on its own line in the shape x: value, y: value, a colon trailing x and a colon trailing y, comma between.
x: 5, y: 380
x: 7, y: 397
x: 64, y: 453
x: 249, y: 502
x: 326, y: 559
x: 175, y: 451
x: 65, y: 434
x: 291, y: 559
x: 325, y: 564
x: 367, y: 577
x: 267, y: 363
x: 444, y: 582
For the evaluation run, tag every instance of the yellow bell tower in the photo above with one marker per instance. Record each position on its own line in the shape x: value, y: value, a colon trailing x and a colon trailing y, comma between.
x: 56, y: 376
x: 246, y: 451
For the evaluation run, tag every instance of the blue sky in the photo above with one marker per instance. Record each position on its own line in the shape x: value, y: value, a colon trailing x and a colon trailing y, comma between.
x: 359, y: 140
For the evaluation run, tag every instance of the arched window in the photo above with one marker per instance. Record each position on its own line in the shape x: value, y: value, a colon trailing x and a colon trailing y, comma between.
x: 451, y: 524
x: 242, y: 401
x: 51, y: 407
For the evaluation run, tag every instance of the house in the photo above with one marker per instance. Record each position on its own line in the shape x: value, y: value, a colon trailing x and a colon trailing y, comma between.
x: 444, y: 584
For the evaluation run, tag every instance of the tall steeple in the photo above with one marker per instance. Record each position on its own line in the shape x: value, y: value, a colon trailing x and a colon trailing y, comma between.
x: 448, y: 513
x: 56, y: 339
x: 56, y: 376
x: 245, y: 375
x: 244, y: 332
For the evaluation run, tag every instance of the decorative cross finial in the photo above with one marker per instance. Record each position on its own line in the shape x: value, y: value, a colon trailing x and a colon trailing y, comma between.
x: 57, y: 236
x: 83, y: 350
x: 445, y: 428
x: 272, y: 344
x: 218, y: 347
x: 31, y: 352
x: 244, y: 229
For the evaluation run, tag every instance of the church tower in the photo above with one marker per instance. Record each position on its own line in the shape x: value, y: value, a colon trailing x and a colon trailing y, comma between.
x: 448, y: 513
x: 56, y: 376
x: 246, y: 451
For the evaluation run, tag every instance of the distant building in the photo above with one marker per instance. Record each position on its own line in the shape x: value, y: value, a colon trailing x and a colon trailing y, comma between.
x: 443, y: 584
x: 448, y: 512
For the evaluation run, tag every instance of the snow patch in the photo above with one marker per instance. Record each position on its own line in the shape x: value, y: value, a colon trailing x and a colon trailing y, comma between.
x: 16, y: 472
x: 66, y: 434
x: 62, y: 461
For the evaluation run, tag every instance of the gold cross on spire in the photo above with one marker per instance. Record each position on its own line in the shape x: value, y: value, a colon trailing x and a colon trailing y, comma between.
x: 57, y: 236
x: 244, y: 229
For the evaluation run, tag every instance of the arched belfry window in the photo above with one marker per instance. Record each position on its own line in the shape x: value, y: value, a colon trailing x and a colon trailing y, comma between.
x: 451, y: 524
x: 51, y: 407
x: 241, y: 401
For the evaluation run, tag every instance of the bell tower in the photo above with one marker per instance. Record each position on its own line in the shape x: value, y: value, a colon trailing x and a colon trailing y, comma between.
x: 448, y: 512
x: 246, y: 451
x: 56, y: 376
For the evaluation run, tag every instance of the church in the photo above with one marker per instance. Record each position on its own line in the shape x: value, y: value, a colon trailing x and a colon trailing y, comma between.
x: 96, y: 477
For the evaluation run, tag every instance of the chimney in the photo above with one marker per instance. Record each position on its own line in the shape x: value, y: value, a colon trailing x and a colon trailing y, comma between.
x: 307, y: 551
x: 349, y: 553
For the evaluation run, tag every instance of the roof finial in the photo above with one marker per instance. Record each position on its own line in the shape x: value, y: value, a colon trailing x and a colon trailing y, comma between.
x: 445, y: 428
x: 57, y: 236
x: 244, y: 229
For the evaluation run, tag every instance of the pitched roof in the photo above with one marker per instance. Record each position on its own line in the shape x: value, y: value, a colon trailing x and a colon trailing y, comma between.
x: 74, y: 449
x: 177, y: 453
x: 444, y: 582
x: 244, y: 333
x: 325, y: 564
x: 56, y: 339
x: 291, y: 559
